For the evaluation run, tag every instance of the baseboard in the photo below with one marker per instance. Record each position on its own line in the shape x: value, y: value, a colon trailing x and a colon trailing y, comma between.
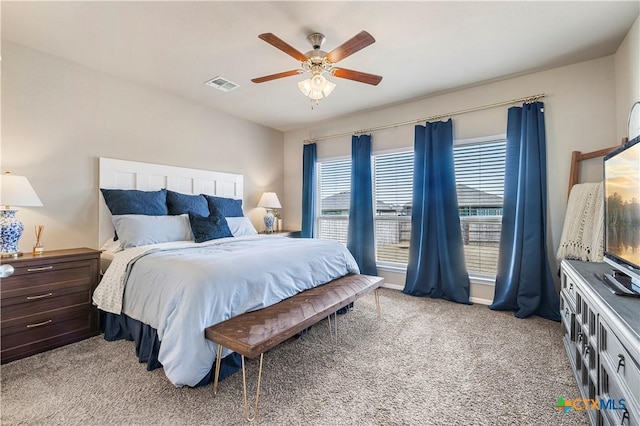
x: 393, y: 286
x: 478, y: 300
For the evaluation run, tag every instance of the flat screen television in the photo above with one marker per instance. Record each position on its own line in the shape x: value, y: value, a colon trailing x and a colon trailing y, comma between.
x: 622, y: 212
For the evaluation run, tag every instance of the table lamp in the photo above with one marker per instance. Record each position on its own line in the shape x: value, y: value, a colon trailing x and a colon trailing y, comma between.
x: 15, y: 191
x: 269, y: 201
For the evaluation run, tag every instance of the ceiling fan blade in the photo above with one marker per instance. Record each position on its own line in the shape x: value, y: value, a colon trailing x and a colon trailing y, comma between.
x: 351, y: 46
x: 277, y: 42
x: 276, y: 76
x: 362, y: 77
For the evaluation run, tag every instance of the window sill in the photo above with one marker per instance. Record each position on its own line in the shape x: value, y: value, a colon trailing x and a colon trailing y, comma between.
x: 400, y: 269
x: 475, y: 279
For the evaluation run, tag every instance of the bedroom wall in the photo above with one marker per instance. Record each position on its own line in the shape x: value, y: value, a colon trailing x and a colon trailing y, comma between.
x: 58, y: 118
x: 580, y: 108
x: 627, y: 72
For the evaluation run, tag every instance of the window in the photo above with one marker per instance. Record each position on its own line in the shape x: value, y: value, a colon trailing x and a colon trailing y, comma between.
x: 480, y: 187
x: 479, y: 168
x: 393, y: 189
x: 334, y: 184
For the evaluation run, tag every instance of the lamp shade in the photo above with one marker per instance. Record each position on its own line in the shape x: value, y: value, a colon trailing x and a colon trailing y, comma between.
x: 17, y: 191
x: 269, y: 200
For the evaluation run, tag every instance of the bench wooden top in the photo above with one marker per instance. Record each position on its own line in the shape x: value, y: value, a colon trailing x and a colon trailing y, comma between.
x: 253, y: 333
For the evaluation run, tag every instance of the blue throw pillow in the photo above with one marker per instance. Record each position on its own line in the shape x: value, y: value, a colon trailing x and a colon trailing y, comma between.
x: 179, y: 203
x: 227, y: 206
x: 132, y: 201
x: 206, y: 228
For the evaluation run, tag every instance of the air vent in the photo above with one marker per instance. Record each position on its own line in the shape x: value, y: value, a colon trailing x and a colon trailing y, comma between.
x: 221, y: 83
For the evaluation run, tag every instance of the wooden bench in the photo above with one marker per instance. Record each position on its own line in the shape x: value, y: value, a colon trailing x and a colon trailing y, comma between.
x: 253, y: 333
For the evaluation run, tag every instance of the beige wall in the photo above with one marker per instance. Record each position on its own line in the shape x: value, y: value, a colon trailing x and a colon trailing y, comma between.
x: 580, y: 111
x: 58, y: 118
x: 627, y: 72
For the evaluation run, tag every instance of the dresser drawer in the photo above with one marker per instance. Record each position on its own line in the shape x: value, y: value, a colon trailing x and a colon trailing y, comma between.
x: 568, y: 285
x: 45, y: 331
x: 567, y: 314
x: 20, y: 307
x: 45, y: 277
x: 624, y: 369
x: 622, y: 409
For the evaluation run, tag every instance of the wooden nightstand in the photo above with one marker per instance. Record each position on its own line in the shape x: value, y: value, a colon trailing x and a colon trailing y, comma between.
x: 46, y: 303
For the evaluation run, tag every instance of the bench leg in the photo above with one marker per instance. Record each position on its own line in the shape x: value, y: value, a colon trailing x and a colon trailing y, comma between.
x: 217, y: 372
x: 333, y: 331
x: 247, y: 416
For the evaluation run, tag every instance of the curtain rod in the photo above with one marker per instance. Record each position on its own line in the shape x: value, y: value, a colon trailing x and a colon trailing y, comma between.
x: 526, y: 99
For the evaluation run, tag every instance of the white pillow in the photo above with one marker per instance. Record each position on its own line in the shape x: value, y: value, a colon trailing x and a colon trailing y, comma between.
x: 138, y: 230
x: 240, y: 226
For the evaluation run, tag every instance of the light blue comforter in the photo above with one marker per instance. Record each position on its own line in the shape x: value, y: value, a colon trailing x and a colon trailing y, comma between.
x: 182, y: 291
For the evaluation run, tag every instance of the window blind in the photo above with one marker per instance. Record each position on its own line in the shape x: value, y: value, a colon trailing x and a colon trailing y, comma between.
x: 479, y: 169
x: 334, y: 183
x: 393, y: 189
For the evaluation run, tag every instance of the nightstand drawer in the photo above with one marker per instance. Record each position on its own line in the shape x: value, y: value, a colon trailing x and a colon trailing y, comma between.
x: 50, y: 275
x: 18, y: 307
x: 44, y: 331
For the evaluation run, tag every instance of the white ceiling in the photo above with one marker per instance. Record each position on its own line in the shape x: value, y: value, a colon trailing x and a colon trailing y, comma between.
x: 421, y: 48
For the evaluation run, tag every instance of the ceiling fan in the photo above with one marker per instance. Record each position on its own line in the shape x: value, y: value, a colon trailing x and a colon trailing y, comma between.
x: 318, y: 62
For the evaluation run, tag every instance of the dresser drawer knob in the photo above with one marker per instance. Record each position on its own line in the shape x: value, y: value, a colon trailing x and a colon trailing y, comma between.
x: 40, y: 324
x: 620, y: 362
x: 43, y: 268
x: 42, y: 296
x: 570, y: 286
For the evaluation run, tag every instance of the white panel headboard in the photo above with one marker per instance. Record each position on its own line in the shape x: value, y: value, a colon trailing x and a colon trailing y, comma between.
x: 121, y: 174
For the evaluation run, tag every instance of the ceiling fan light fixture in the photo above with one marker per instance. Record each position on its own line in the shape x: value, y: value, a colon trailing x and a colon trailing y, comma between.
x: 328, y: 88
x: 305, y: 86
x: 316, y: 87
x: 318, y: 82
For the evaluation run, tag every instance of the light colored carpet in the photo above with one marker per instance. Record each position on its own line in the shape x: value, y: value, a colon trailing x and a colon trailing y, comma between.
x: 427, y: 362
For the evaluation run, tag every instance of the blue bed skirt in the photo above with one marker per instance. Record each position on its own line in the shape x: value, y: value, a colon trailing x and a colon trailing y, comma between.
x: 118, y: 327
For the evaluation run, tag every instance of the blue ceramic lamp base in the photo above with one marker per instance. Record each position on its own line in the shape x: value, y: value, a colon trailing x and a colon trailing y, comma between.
x: 10, y: 232
x: 269, y: 219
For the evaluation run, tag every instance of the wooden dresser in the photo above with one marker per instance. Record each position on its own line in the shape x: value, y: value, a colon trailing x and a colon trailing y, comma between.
x: 602, y: 338
x: 46, y: 303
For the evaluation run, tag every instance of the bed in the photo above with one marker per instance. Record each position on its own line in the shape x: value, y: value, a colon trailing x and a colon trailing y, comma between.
x: 163, y: 293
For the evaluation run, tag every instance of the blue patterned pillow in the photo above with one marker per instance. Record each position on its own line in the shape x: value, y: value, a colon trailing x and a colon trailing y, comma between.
x: 179, y: 203
x: 227, y: 206
x: 206, y: 228
x: 132, y: 201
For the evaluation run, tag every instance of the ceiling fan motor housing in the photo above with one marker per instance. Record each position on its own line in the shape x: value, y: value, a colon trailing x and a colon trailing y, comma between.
x: 316, y: 40
x: 316, y: 56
